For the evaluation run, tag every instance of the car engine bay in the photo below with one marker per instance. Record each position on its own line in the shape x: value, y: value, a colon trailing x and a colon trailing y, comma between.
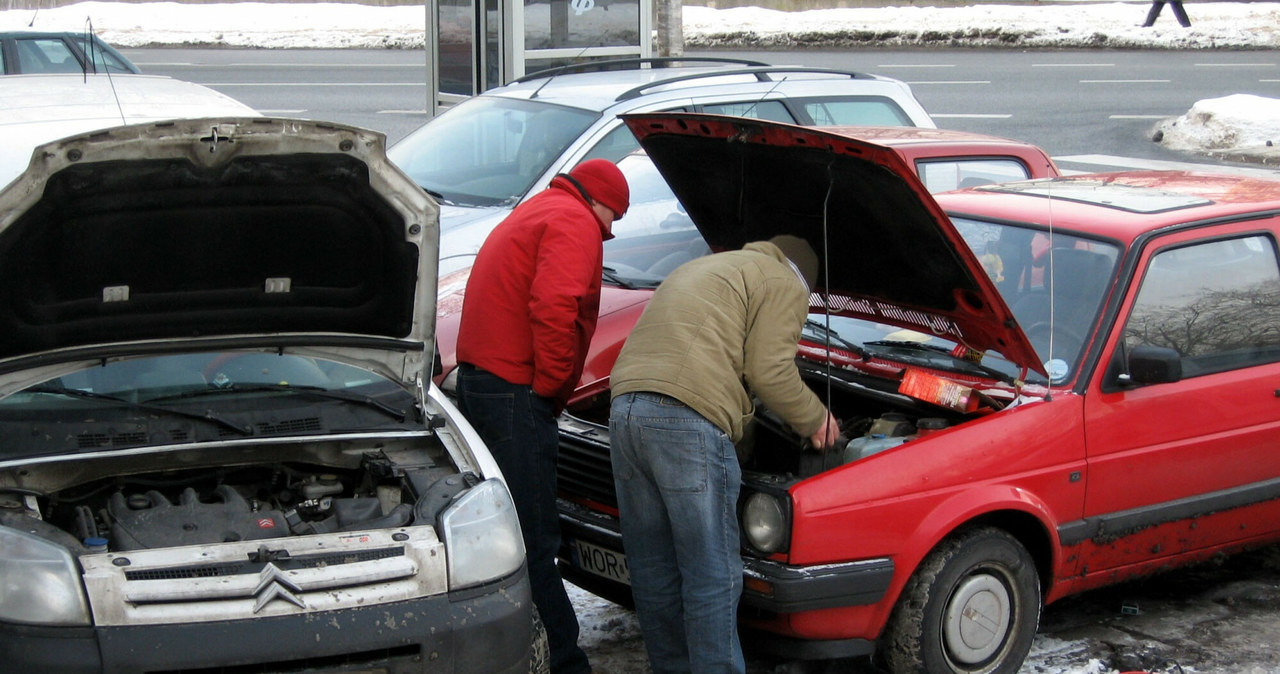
x: 106, y: 503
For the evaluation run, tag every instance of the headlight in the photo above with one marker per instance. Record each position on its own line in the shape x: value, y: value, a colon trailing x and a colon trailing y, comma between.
x: 765, y: 522
x: 482, y: 535
x: 39, y: 582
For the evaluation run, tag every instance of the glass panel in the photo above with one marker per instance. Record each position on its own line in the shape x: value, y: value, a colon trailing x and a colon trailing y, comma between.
x: 492, y: 45
x: 456, y: 47
x: 46, y: 55
x: 656, y: 235
x: 103, y: 60
x: 1217, y: 304
x: 561, y: 24
x: 489, y: 151
x: 614, y: 146
x: 770, y: 110
x: 854, y: 111
x: 943, y: 175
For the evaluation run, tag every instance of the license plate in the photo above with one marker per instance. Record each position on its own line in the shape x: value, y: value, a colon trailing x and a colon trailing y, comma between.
x: 601, y: 562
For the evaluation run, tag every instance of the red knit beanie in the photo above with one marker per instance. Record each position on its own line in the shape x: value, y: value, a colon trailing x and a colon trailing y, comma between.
x: 605, y: 183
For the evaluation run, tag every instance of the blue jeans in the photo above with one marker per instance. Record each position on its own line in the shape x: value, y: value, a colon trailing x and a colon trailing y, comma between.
x: 678, y: 479
x: 519, y: 427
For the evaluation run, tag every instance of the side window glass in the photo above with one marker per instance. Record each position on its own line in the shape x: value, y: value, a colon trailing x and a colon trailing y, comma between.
x: 940, y: 176
x: 615, y: 145
x: 46, y: 55
x: 773, y: 111
x: 102, y: 60
x: 853, y: 111
x: 1217, y: 304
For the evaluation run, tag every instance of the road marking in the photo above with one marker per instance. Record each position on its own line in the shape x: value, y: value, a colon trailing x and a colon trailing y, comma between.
x: 950, y: 82
x: 401, y: 112
x: 1140, y: 116
x: 1073, y: 65
x: 283, y: 112
x: 1114, y: 163
x: 344, y: 66
x: 1124, y: 81
x: 1235, y: 65
x: 967, y: 115
x: 1269, y: 80
x: 314, y: 84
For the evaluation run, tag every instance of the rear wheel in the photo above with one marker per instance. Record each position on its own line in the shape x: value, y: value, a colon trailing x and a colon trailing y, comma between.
x: 539, y: 649
x: 971, y: 608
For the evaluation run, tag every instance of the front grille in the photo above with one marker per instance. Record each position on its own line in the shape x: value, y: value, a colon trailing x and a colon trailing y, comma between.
x: 583, y: 471
x: 371, y: 661
x: 249, y: 566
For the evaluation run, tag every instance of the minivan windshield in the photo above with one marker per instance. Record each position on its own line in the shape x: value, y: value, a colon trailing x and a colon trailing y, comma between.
x: 488, y: 151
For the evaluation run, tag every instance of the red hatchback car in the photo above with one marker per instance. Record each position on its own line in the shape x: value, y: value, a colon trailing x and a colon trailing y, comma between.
x: 1045, y: 387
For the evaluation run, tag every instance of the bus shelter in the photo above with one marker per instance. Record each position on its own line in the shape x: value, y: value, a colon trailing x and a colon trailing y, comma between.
x: 475, y: 45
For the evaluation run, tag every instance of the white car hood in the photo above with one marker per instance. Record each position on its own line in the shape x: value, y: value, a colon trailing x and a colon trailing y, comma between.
x: 287, y: 235
x: 36, y: 109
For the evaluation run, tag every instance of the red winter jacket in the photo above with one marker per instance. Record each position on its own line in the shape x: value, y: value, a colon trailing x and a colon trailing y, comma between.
x: 534, y: 293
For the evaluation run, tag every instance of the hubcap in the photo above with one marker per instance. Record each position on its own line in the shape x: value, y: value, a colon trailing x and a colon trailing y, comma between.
x: 977, y: 619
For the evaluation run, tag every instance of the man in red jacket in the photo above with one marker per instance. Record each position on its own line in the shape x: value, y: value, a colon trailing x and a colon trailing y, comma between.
x: 527, y: 319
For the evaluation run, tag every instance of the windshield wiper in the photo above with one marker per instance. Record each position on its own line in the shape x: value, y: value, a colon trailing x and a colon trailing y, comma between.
x: 315, y: 391
x: 611, y: 275
x: 834, y: 337
x: 207, y: 415
x: 931, y: 349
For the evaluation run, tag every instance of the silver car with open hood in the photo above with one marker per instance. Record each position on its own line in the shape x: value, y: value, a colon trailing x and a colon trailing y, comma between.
x: 220, y: 449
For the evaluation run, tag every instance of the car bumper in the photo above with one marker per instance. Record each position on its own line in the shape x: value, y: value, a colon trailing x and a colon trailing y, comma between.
x: 485, y: 630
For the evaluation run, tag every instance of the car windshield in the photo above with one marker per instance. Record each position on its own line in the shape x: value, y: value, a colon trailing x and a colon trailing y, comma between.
x: 1056, y: 311
x: 655, y: 236
x: 143, y: 401
x: 489, y: 151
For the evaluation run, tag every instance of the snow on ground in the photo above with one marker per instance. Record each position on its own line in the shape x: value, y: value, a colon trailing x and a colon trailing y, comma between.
x: 1232, y: 123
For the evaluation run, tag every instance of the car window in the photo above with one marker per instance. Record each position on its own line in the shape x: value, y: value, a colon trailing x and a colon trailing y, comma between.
x: 46, y: 55
x: 656, y: 235
x: 488, y: 151
x: 852, y: 111
x: 771, y: 110
x: 615, y: 145
x: 949, y: 174
x: 103, y: 61
x: 1217, y: 304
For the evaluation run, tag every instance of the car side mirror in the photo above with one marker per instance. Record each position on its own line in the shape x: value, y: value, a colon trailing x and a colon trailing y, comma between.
x: 1149, y: 364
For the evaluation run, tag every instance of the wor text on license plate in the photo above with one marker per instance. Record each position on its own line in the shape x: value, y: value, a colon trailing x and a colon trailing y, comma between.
x: 601, y: 562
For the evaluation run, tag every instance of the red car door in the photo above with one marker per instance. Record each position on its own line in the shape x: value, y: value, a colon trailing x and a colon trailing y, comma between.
x: 1189, y: 465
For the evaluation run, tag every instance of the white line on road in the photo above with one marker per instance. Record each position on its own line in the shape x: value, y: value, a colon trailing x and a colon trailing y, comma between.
x: 314, y: 84
x: 1073, y: 65
x: 1235, y: 65
x: 1124, y: 81
x: 950, y: 82
x: 283, y: 112
x: 1139, y: 116
x: 1113, y: 162
x: 965, y: 115
x: 344, y: 66
x: 401, y: 112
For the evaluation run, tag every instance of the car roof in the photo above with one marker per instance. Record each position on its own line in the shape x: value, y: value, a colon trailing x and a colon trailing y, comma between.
x: 600, y: 86
x: 1121, y: 206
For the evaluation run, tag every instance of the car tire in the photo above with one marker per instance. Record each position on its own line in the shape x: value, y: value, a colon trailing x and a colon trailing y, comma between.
x: 539, y: 648
x: 983, y: 572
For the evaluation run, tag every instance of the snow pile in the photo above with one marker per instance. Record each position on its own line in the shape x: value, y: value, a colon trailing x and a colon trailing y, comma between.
x: 1235, y: 122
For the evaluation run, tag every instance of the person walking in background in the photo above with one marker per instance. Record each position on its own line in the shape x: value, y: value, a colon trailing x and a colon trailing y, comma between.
x: 1178, y: 12
x: 530, y: 309
x: 719, y: 329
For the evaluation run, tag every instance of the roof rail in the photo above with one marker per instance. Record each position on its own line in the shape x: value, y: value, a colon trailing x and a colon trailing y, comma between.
x: 762, y: 74
x: 632, y: 64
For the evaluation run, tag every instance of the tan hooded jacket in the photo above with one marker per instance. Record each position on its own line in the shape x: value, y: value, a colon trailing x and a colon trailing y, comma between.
x: 719, y: 327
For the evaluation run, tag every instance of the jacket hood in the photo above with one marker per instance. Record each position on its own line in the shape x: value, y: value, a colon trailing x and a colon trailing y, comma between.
x: 261, y: 232
x: 887, y: 252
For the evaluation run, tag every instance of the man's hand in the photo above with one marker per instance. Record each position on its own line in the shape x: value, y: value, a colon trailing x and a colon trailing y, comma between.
x: 827, y: 434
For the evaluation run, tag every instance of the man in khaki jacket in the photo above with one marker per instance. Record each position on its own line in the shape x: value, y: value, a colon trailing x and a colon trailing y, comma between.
x: 719, y: 329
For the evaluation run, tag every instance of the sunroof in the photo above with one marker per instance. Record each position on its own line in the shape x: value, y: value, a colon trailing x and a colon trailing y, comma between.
x: 1119, y: 196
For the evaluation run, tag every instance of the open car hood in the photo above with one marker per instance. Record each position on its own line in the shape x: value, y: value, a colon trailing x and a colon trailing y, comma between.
x: 267, y: 233
x: 889, y: 252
